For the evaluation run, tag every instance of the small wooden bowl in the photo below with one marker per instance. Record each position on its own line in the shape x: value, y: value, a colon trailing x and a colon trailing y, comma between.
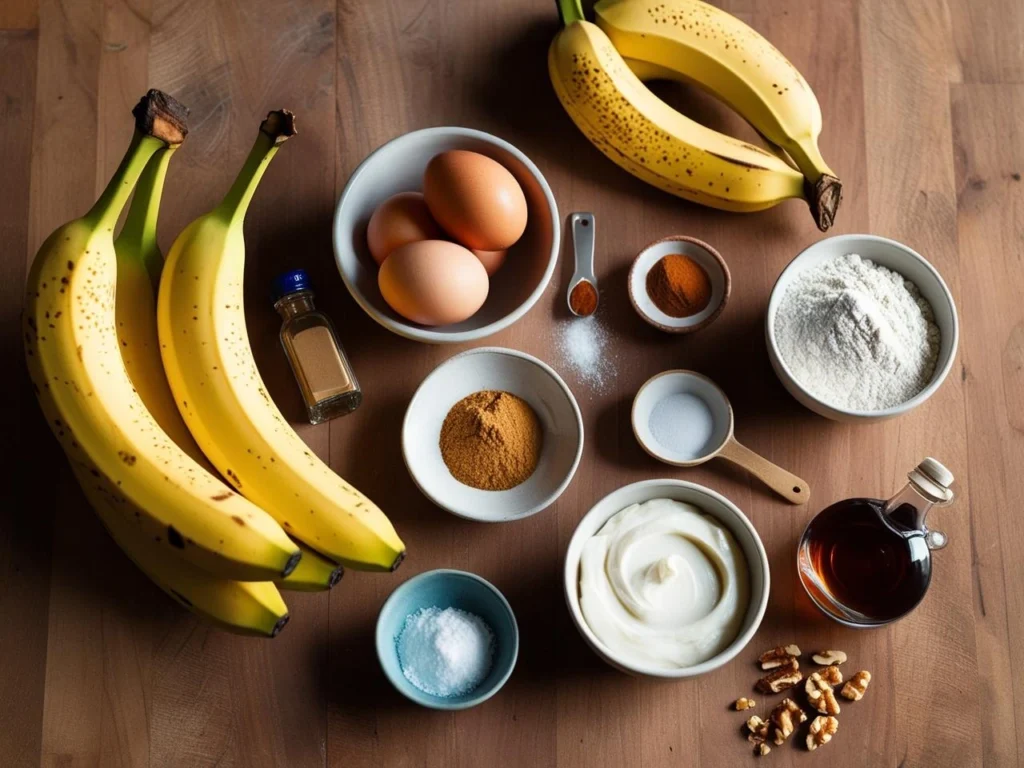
x: 712, y: 262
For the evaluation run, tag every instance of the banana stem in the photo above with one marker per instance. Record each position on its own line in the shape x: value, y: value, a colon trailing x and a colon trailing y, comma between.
x: 159, y: 122
x: 104, y: 213
x: 823, y: 189
x: 140, y: 225
x: 570, y: 11
x: 824, y: 197
x: 162, y: 116
x: 274, y: 131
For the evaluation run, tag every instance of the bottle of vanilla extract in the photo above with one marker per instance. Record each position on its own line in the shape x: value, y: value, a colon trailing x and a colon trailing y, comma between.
x: 322, y: 370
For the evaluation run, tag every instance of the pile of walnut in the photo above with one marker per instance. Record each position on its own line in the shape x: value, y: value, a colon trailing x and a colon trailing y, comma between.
x: 783, y: 667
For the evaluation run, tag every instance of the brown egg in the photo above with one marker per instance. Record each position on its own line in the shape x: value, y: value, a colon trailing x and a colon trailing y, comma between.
x: 433, y: 282
x: 475, y: 199
x: 403, y: 218
x: 492, y: 260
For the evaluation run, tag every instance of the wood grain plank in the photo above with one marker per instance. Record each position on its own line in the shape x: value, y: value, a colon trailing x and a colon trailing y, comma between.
x: 990, y: 224
x: 188, y: 59
x: 192, y: 705
x: 65, y: 120
x: 25, y: 525
x: 19, y: 15
x: 913, y: 199
x: 988, y: 40
x: 123, y: 79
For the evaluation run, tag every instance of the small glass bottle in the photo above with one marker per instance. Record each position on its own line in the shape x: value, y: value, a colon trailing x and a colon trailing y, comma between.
x: 867, y: 562
x: 323, y: 372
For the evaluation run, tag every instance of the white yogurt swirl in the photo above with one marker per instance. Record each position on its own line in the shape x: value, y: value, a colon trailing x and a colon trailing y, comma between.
x: 663, y: 585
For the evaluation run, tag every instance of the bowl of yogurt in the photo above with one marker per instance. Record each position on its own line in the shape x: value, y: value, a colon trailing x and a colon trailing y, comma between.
x: 666, y: 578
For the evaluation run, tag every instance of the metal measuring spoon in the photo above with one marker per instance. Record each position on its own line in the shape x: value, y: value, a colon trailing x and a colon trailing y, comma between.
x: 722, y: 443
x: 582, y: 225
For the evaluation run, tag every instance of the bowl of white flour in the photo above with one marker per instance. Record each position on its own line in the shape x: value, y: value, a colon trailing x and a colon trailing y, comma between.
x: 861, y: 328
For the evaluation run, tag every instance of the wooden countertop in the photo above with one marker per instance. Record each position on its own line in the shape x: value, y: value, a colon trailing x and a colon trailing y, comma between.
x: 922, y: 102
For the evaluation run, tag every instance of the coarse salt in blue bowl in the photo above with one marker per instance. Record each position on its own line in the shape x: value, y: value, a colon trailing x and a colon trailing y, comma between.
x: 448, y: 589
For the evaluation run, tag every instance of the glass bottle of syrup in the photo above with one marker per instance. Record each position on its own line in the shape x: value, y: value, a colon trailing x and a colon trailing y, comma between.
x: 323, y: 372
x: 867, y: 562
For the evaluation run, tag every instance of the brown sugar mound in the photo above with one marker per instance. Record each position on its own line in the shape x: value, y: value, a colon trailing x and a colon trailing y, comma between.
x: 491, y: 440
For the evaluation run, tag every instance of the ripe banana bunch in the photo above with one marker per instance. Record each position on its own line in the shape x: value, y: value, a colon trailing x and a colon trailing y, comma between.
x: 223, y: 400
x: 92, y: 406
x: 243, y: 607
x: 92, y: 348
x: 598, y: 72
x: 139, y: 264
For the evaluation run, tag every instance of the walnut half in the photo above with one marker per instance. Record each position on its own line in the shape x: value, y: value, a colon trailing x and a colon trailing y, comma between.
x: 781, y: 678
x: 856, y: 686
x: 832, y: 675
x: 828, y: 658
x: 784, y: 719
x: 820, y: 694
x: 777, y: 657
x: 758, y: 730
x: 822, y: 730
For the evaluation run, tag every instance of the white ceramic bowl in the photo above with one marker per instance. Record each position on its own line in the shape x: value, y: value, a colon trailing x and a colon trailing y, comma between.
x: 398, y: 167
x: 504, y: 370
x: 892, y: 255
x: 712, y: 262
x: 711, y: 503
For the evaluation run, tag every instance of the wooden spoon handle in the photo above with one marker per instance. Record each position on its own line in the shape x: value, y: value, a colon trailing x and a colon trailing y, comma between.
x: 787, y: 485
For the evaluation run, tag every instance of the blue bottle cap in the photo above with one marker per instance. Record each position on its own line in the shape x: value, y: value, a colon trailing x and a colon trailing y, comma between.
x: 290, y: 282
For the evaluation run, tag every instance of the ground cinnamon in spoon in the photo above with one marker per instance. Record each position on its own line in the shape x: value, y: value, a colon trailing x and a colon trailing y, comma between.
x: 583, y: 298
x: 491, y: 440
x: 679, y: 286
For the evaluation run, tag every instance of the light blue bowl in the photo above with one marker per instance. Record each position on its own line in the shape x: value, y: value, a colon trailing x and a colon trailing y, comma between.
x: 449, y: 589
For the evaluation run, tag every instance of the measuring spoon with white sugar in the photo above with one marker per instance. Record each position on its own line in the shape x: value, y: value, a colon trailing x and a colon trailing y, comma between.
x: 711, y: 433
x: 583, y: 283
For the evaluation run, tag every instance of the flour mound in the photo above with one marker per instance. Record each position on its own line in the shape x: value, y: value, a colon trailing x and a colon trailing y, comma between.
x: 857, y: 335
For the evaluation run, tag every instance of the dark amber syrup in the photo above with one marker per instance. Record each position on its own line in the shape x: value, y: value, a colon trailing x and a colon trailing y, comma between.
x: 870, y: 566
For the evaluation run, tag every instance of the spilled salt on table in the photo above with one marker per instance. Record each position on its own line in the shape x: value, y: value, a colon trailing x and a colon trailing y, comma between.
x: 445, y: 652
x: 582, y: 343
x: 683, y: 424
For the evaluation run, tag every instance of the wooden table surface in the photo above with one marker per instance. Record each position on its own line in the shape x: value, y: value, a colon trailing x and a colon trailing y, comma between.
x: 922, y: 102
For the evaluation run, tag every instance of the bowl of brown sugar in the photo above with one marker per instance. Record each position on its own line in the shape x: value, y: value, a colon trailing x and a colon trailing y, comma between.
x: 493, y: 435
x: 679, y: 284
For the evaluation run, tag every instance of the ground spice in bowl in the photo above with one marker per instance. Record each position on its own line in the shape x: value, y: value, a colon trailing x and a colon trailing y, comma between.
x: 491, y: 440
x: 679, y: 286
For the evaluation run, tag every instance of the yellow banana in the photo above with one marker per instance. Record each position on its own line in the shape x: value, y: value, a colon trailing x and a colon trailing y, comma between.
x: 655, y: 143
x: 74, y: 360
x: 243, y: 607
x: 314, y: 573
x: 223, y: 399
x: 139, y: 262
x: 696, y: 42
